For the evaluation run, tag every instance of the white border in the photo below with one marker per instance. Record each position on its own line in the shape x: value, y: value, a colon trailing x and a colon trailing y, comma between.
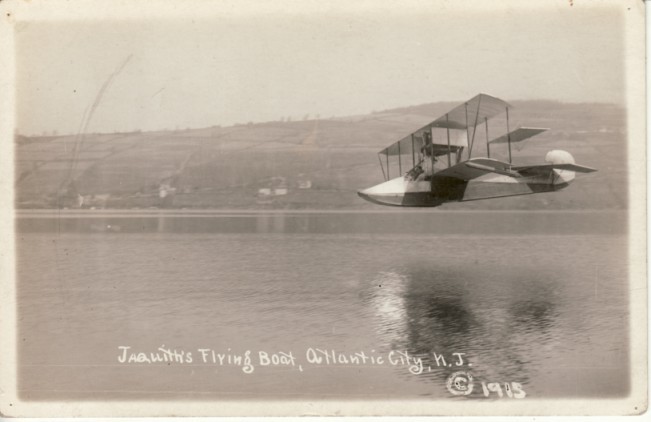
x: 14, y: 12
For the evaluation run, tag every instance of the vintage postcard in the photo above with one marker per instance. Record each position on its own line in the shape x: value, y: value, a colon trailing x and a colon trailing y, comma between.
x: 249, y: 208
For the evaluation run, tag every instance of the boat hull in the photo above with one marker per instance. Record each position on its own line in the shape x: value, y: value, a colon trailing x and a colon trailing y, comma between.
x: 402, y: 193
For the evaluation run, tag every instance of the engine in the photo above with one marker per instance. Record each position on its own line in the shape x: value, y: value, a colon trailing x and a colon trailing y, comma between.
x: 557, y: 156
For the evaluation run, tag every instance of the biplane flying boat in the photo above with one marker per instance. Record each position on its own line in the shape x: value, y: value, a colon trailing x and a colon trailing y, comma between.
x: 438, y: 173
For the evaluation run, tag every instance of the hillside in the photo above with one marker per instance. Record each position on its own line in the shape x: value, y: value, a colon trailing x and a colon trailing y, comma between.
x: 308, y: 164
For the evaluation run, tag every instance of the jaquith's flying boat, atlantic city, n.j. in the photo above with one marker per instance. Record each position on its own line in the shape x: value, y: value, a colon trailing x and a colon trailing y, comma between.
x: 441, y: 143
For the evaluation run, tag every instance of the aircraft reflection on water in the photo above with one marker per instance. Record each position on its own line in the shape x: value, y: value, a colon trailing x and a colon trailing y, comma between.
x: 447, y: 323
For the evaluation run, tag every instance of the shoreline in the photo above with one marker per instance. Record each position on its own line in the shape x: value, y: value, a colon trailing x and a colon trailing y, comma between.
x: 86, y: 213
x: 326, y: 221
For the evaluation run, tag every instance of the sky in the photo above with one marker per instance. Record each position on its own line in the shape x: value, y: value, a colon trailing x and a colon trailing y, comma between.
x: 201, y: 70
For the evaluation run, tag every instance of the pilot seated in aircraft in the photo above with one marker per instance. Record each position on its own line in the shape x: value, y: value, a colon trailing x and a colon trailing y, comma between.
x: 413, y: 174
x: 428, y: 160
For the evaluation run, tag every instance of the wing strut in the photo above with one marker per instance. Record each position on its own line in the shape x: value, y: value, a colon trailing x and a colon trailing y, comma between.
x: 467, y: 132
x: 399, y: 160
x: 431, y: 141
x: 508, y: 134
x: 413, y: 152
x: 382, y: 167
x: 388, y: 177
x: 488, y: 147
x: 448, y: 131
x: 474, y: 128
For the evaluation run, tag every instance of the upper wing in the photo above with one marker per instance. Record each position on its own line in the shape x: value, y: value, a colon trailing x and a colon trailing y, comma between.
x: 472, y: 112
x: 468, y: 114
x: 520, y: 134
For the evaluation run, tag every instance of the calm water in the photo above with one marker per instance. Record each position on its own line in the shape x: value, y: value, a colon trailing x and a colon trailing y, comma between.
x: 530, y: 298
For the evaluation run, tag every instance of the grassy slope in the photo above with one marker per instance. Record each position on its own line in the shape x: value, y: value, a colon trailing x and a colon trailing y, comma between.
x: 224, y: 167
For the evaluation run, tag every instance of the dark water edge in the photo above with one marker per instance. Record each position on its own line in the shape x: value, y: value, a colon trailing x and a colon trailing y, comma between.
x: 326, y: 222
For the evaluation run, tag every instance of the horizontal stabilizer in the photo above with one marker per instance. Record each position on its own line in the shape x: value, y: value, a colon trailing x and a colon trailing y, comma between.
x: 520, y: 134
x: 547, y: 167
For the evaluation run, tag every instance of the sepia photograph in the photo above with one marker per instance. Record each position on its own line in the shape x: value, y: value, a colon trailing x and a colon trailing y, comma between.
x: 365, y: 208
